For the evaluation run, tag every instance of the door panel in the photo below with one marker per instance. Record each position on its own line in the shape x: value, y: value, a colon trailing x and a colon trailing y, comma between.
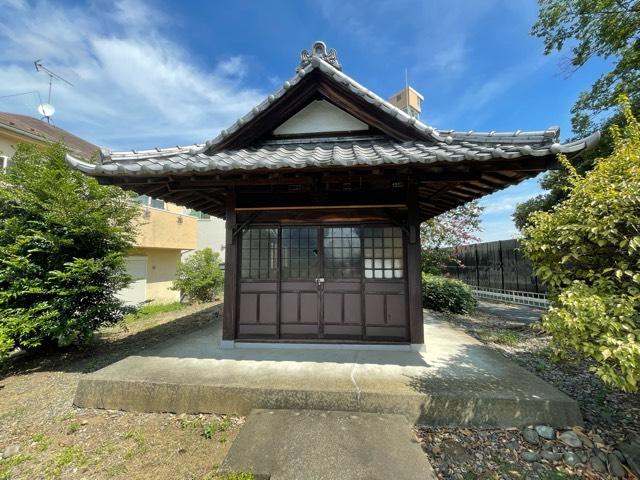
x: 258, y: 296
x: 299, y: 310
x: 341, y: 289
x: 385, y: 288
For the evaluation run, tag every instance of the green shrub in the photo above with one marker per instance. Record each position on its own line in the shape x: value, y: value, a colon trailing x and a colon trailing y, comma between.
x: 62, y: 243
x: 587, y: 250
x: 446, y: 294
x: 200, y: 277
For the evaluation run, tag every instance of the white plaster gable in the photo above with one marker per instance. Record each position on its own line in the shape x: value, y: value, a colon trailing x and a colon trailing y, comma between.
x: 320, y: 116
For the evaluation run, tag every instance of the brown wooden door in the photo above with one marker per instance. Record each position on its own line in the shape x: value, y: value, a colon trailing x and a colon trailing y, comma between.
x: 341, y: 283
x: 299, y: 290
x: 385, y: 287
x: 328, y: 283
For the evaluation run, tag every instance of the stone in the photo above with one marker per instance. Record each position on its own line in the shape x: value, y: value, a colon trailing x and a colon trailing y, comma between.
x: 513, y: 445
x: 600, y: 454
x: 630, y: 449
x: 10, y: 451
x: 615, y: 467
x: 546, y: 432
x: 597, y: 439
x: 552, y: 456
x: 570, y: 438
x: 597, y: 465
x: 530, y: 456
x: 570, y: 458
x: 531, y: 436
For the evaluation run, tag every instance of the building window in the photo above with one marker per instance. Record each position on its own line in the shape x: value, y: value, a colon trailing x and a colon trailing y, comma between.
x: 147, y: 201
x: 342, y: 252
x: 195, y: 213
x: 299, y: 253
x: 259, y: 256
x: 383, y: 253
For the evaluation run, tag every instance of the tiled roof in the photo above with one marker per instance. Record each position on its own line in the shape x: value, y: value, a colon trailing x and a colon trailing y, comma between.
x: 439, y: 146
x: 301, y: 153
x: 46, y: 132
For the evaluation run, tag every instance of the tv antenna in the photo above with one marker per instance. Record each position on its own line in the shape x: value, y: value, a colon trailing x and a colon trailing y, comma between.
x: 46, y: 109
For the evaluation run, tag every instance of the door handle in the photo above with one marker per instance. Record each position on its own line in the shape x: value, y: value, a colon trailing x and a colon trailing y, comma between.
x: 319, y: 281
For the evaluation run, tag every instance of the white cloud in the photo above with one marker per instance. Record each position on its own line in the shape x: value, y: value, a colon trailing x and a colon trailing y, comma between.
x: 133, y: 86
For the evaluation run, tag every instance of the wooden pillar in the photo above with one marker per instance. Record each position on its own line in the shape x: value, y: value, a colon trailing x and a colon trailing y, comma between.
x: 230, y: 270
x: 414, y: 275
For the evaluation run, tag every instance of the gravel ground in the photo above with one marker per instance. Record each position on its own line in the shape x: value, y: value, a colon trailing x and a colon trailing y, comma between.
x: 611, y: 418
x: 44, y: 436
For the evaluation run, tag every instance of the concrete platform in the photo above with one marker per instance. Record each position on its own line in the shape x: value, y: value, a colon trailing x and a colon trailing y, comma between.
x: 457, y: 381
x: 303, y: 444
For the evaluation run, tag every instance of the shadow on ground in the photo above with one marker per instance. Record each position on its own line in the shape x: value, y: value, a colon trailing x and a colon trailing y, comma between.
x: 111, y: 345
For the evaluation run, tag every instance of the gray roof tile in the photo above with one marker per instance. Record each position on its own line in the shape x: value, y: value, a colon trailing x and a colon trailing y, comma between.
x: 302, y: 153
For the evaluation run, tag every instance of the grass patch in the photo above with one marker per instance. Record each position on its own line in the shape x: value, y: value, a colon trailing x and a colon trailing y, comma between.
x: 41, y: 441
x: 210, y: 429
x: 215, y: 426
x: 69, y: 457
x: 138, y: 438
x: 8, y: 463
x: 231, y: 476
x: 501, y: 337
x: 152, y: 309
x: 73, y: 427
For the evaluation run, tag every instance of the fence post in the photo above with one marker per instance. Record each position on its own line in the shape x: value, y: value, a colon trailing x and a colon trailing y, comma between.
x: 475, y: 249
x: 501, y: 264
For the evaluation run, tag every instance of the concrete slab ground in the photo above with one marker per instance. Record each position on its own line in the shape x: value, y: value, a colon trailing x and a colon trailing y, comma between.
x: 303, y: 444
x: 457, y: 381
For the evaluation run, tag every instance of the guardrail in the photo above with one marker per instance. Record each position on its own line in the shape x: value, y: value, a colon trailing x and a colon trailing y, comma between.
x: 512, y: 296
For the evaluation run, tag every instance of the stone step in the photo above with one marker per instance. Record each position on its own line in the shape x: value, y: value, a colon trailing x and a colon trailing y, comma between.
x: 327, y: 445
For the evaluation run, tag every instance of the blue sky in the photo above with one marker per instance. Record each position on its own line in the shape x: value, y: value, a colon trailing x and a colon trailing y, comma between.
x: 149, y: 74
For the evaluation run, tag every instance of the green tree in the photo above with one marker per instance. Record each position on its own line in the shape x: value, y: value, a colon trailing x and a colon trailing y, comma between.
x: 587, y: 250
x: 62, y: 238
x: 608, y: 29
x: 200, y: 277
x: 441, y: 235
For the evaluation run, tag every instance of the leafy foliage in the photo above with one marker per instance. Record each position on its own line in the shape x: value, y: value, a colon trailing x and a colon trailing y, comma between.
x: 442, y: 234
x: 446, y: 294
x: 587, y: 250
x: 200, y: 276
x: 595, y: 28
x: 62, y: 238
x: 607, y: 29
x: 556, y: 182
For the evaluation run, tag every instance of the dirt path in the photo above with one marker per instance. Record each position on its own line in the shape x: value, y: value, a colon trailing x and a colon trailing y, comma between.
x: 57, y: 440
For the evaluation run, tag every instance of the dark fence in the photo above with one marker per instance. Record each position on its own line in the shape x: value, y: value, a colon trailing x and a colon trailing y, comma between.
x: 498, y: 265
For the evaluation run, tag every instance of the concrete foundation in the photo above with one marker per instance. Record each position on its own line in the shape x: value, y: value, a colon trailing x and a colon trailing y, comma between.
x: 457, y: 381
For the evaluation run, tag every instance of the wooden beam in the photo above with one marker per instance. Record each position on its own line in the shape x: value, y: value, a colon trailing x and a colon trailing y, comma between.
x: 414, y: 275
x: 318, y: 207
x: 231, y: 266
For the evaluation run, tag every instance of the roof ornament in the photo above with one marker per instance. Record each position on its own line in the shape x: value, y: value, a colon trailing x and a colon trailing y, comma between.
x: 319, y: 49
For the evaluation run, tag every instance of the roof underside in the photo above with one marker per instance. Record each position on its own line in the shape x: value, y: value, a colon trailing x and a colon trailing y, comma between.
x: 450, y: 167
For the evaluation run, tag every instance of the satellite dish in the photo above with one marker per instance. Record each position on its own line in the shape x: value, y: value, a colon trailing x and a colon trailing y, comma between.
x: 46, y: 110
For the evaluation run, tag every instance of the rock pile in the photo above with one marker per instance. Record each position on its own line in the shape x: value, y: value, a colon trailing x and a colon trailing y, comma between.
x: 578, y: 447
x: 532, y: 452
